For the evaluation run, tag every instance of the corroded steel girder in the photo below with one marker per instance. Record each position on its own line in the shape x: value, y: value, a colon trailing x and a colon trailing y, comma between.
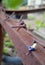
x: 22, y: 39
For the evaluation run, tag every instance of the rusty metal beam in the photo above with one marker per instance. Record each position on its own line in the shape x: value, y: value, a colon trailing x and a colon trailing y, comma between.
x: 32, y: 10
x: 21, y: 40
x: 1, y: 43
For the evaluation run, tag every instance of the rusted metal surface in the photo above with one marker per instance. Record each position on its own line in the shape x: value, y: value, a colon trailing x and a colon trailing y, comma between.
x: 37, y: 39
x: 22, y: 39
x: 1, y: 42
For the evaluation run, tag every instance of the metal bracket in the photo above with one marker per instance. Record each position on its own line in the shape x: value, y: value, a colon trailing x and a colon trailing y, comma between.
x: 7, y: 17
x: 2, y: 9
x: 21, y: 24
x: 18, y: 26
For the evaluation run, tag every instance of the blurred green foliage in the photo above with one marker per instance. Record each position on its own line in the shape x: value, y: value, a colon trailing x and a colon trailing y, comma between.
x: 29, y: 26
x: 7, y: 44
x: 39, y: 24
x: 43, y: 15
x: 12, y: 4
x: 5, y: 50
x: 31, y: 17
